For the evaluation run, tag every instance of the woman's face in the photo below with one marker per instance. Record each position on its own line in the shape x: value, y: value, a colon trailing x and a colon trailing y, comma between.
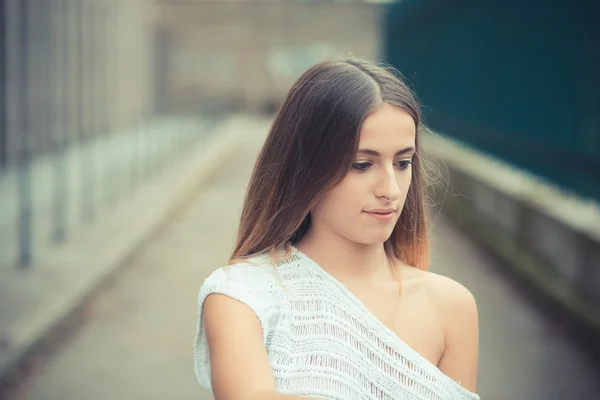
x: 365, y: 206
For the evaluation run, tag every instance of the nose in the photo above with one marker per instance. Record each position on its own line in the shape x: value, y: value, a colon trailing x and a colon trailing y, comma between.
x: 387, y: 186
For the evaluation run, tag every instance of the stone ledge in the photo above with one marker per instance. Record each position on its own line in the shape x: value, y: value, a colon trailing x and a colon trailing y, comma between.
x: 549, y: 238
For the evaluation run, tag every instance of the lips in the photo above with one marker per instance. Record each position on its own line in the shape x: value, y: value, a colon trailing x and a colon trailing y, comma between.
x: 381, y: 211
x: 381, y: 215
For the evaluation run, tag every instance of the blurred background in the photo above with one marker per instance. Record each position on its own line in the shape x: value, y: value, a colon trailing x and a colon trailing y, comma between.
x: 128, y: 130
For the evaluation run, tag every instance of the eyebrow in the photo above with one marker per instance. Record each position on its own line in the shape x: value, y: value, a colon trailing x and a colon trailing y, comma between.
x: 376, y: 154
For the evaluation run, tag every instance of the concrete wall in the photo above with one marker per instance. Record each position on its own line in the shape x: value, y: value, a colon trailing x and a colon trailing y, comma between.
x: 248, y: 54
x: 549, y: 238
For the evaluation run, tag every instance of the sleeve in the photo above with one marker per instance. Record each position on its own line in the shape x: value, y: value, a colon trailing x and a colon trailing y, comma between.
x: 224, y: 282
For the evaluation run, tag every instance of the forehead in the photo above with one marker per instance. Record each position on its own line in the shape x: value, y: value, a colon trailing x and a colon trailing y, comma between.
x: 388, y: 128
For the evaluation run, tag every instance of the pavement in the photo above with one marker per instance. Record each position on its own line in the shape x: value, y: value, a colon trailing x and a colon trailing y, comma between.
x: 38, y: 300
x: 136, y: 336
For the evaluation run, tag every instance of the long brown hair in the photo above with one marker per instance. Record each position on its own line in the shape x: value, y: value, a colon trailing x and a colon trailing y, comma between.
x: 311, y: 146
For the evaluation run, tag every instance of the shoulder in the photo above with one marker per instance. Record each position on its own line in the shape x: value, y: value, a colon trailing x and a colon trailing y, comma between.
x: 251, y: 274
x: 452, y: 299
x: 253, y: 283
x: 239, y: 313
x: 458, y: 311
x: 450, y: 292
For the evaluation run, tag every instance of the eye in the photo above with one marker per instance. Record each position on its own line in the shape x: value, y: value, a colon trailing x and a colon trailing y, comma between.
x: 404, y: 164
x: 361, y: 166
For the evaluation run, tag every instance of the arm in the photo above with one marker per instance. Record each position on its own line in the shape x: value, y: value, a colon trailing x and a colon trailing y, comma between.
x: 240, y: 368
x: 461, y: 353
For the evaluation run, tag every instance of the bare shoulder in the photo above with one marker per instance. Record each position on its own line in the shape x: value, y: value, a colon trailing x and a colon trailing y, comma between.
x: 454, y: 303
x: 451, y: 296
x: 458, y: 310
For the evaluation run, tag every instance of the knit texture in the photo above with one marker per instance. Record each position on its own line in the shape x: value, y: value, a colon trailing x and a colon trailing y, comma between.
x: 321, y: 340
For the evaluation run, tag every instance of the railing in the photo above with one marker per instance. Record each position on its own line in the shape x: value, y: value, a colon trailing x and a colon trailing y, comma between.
x: 79, y: 126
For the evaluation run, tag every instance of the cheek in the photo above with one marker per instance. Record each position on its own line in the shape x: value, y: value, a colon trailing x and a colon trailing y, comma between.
x: 338, y: 204
x: 404, y: 184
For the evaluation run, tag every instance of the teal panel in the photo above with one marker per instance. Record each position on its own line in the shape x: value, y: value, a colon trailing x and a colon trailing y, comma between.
x: 519, y: 80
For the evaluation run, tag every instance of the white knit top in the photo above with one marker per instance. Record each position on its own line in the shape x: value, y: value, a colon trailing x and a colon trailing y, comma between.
x: 321, y: 341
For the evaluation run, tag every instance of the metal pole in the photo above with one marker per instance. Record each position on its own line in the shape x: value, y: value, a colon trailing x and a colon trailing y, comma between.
x: 24, y: 181
x: 3, y: 90
x: 70, y: 121
x: 88, y: 79
x: 86, y: 176
x: 153, y: 159
x: 96, y: 82
x: 121, y: 120
x: 60, y: 116
x: 109, y: 106
x: 135, y: 76
x: 103, y: 100
x: 43, y: 86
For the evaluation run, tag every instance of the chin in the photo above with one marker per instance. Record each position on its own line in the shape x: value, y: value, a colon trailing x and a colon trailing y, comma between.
x: 374, y: 239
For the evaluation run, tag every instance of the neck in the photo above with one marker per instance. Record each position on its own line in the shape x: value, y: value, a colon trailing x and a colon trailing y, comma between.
x: 345, y: 260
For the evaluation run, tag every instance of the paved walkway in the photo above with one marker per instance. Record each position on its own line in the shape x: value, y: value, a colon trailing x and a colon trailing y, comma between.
x: 137, y: 341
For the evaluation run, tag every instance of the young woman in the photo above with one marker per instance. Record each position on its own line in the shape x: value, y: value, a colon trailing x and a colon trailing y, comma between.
x: 327, y: 293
